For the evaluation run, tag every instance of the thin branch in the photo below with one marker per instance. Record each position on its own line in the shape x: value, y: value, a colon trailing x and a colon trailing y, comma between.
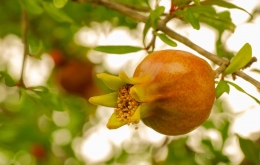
x: 136, y: 8
x: 161, y: 26
x: 24, y: 40
x: 220, y: 69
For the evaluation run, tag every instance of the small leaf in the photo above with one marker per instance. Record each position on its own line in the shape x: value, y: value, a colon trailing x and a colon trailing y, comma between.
x: 147, y: 26
x: 39, y: 89
x: 202, y: 9
x: 243, y: 91
x: 34, y: 46
x: 220, y: 21
x: 8, y: 79
x: 242, y: 57
x: 55, y: 13
x: 155, y: 15
x: 250, y: 150
x: 224, y: 4
x: 222, y: 88
x: 256, y: 70
x: 189, y: 17
x: 152, y: 20
x: 59, y: 3
x: 197, y: 2
x: 118, y: 49
x: 166, y: 40
x: 32, y: 6
x: 192, y: 20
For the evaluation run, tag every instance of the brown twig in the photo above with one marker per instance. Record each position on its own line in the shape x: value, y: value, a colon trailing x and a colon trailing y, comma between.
x: 253, y: 59
x: 152, y: 43
x: 24, y: 40
x: 220, y: 69
x: 162, y: 27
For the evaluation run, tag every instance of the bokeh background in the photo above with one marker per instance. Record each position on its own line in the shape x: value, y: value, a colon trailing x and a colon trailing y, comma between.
x: 52, y: 122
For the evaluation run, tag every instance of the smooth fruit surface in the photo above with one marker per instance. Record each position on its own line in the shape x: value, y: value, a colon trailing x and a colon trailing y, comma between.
x: 171, y: 91
x: 180, y: 91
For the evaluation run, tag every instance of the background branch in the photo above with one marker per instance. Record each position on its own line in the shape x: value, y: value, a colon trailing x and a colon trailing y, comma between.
x: 24, y: 40
x: 162, y: 27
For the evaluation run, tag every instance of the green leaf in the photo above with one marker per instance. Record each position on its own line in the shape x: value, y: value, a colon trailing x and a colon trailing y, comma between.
x: 242, y: 57
x: 243, y: 91
x: 224, y: 4
x: 192, y: 20
x: 155, y: 15
x: 147, y: 26
x: 202, y: 9
x: 34, y: 46
x: 8, y: 79
x: 56, y: 14
x: 118, y: 49
x: 256, y: 70
x: 221, y: 88
x: 32, y: 6
x: 59, y: 3
x: 39, y: 89
x: 220, y: 21
x: 250, y: 150
x: 152, y: 20
x: 166, y: 39
x: 197, y: 2
x: 189, y: 17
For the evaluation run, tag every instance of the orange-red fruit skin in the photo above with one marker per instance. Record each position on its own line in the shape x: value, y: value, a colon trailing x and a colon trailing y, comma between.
x: 181, y: 91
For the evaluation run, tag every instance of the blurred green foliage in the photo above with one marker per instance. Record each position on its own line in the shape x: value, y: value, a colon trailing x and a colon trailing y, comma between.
x: 32, y: 125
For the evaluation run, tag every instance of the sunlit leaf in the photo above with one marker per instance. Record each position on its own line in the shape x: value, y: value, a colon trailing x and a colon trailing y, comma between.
x: 166, y: 39
x: 220, y: 21
x: 152, y: 20
x: 59, y: 3
x: 242, y: 57
x: 221, y: 88
x: 155, y: 15
x: 189, y: 17
x: 32, y: 6
x: 224, y: 4
x: 118, y: 49
x: 250, y: 150
x: 55, y: 13
x: 193, y: 20
x: 243, y: 91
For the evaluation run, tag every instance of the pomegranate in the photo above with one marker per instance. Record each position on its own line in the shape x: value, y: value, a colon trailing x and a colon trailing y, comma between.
x: 172, y: 91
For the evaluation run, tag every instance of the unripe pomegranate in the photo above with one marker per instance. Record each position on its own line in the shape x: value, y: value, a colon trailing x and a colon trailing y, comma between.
x: 171, y: 91
x: 38, y: 151
x: 74, y: 76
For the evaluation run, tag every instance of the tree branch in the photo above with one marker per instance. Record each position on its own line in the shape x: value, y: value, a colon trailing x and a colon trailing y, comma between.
x: 162, y: 27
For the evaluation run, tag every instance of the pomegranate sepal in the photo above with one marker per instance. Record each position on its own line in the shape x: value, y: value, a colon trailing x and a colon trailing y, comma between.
x: 114, y: 123
x: 134, y: 80
x: 137, y: 92
x: 136, y: 117
x: 108, y: 100
x: 112, y: 82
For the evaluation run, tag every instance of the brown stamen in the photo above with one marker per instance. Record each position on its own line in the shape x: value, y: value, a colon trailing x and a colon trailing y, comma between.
x: 126, y: 104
